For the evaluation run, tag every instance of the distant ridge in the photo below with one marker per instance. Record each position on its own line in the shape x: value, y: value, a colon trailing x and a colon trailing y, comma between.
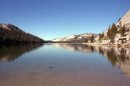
x: 76, y: 38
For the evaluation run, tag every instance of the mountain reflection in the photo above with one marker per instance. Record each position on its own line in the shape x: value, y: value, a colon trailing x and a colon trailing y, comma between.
x: 12, y: 52
x: 76, y: 47
x: 117, y: 56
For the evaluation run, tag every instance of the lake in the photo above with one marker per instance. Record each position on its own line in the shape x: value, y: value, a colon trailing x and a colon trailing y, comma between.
x: 64, y: 65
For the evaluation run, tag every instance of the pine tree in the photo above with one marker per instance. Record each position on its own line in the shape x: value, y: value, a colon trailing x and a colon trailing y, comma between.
x: 92, y: 39
x: 122, y: 31
x: 114, y: 28
x: 101, y: 35
x: 112, y: 31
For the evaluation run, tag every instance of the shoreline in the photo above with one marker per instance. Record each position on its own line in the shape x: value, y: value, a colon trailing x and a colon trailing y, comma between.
x: 127, y: 45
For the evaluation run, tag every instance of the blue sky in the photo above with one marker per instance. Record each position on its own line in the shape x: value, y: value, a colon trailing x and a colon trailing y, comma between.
x: 50, y: 19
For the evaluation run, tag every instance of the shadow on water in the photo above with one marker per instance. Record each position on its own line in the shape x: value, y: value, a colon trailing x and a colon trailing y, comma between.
x: 11, y: 52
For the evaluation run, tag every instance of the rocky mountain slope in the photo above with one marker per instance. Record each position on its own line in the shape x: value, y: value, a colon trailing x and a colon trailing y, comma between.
x: 12, y: 34
x: 124, y: 21
x: 116, y: 32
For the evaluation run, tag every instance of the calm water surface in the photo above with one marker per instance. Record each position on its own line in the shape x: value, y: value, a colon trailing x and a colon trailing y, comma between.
x: 64, y: 65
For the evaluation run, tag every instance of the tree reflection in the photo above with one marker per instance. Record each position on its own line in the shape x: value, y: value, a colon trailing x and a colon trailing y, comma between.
x: 118, y: 57
x: 12, y: 52
x: 115, y: 55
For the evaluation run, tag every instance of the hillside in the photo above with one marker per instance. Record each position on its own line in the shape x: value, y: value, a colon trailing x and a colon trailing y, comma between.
x: 10, y: 34
x: 117, y: 33
x: 124, y: 21
x: 87, y: 37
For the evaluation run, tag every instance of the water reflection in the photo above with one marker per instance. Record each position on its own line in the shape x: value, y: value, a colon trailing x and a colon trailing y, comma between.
x: 76, y: 47
x: 12, y: 52
x: 64, y: 65
x: 117, y: 56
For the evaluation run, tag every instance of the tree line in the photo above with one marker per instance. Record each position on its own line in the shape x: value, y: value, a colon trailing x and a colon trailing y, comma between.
x: 112, y: 31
